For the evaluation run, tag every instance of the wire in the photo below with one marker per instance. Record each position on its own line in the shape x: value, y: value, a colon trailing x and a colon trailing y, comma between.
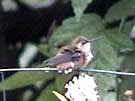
x: 108, y: 72
x: 56, y: 69
x: 28, y: 69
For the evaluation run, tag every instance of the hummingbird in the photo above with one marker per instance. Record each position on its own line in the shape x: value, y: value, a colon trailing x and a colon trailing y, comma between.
x: 73, y: 56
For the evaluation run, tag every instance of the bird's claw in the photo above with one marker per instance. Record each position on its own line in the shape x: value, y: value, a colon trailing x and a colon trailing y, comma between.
x: 66, y: 71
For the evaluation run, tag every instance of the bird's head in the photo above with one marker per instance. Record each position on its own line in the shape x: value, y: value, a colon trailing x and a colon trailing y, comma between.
x: 84, y: 43
x: 81, y: 42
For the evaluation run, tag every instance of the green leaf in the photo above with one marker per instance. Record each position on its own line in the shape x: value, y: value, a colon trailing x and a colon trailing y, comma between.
x: 128, y: 63
x: 104, y: 83
x: 46, y: 49
x: 27, y: 95
x: 127, y: 82
x: 120, y: 39
x: 59, y: 96
x: 107, y: 49
x: 123, y: 8
x: 61, y: 80
x: 107, y: 58
x: 57, y: 85
x: 110, y: 97
x: 79, y: 6
x: 22, y: 79
x: 89, y: 25
x: 106, y: 55
x: 46, y: 94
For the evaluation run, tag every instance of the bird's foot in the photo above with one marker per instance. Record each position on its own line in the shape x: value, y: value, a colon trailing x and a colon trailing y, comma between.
x: 66, y: 71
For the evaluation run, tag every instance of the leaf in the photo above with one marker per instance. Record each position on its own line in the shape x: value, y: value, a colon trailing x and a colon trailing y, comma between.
x: 27, y: 95
x: 38, y: 3
x: 46, y: 94
x: 110, y: 97
x: 106, y: 56
x: 123, y: 8
x: 108, y: 47
x: 89, y: 25
x: 58, y: 85
x: 104, y: 83
x: 120, y: 39
x: 46, y: 49
x: 30, y: 51
x: 79, y: 6
x: 128, y: 63
x: 22, y: 79
x: 59, y: 96
x: 106, y: 59
x: 127, y: 82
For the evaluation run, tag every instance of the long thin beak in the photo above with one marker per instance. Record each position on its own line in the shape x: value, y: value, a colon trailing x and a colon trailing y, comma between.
x: 95, y: 39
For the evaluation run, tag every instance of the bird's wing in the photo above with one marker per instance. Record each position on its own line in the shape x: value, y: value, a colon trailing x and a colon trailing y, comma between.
x: 66, y: 57
x: 58, y: 59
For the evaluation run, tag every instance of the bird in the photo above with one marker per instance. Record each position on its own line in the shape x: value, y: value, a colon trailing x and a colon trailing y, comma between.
x: 73, y: 56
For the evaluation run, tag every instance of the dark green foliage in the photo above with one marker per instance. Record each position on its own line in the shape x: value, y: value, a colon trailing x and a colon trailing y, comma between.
x: 124, y: 8
x: 22, y: 79
x: 108, y: 55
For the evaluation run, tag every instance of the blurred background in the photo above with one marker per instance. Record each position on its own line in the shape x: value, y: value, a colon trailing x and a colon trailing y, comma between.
x: 33, y: 30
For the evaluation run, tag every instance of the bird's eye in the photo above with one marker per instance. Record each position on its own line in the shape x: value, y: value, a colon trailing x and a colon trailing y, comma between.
x: 84, y: 42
